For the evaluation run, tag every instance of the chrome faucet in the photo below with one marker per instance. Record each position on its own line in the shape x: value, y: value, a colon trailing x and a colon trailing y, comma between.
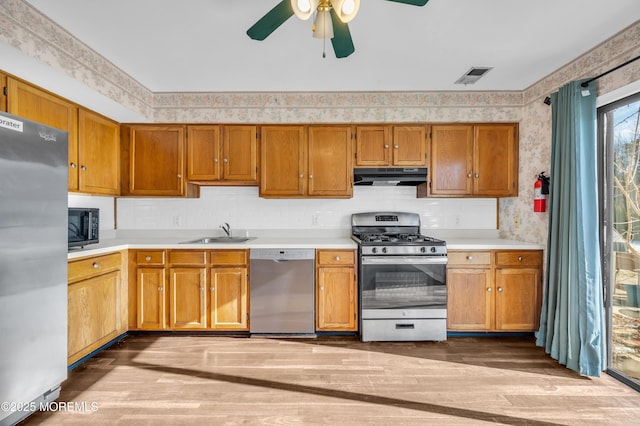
x: 226, y: 228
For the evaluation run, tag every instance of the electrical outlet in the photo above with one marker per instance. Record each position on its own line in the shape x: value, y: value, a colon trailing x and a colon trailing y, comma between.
x: 315, y: 219
x: 177, y: 221
x: 516, y: 222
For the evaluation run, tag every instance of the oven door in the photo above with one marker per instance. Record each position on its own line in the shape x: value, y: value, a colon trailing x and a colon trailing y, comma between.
x: 404, y: 283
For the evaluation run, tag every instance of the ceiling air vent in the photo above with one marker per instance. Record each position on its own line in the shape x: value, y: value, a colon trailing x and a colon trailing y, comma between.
x: 473, y: 75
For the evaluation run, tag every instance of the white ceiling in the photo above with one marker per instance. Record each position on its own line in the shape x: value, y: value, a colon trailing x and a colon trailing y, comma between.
x: 201, y: 45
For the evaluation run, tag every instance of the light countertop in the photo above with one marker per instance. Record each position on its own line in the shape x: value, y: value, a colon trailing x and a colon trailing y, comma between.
x: 168, y: 241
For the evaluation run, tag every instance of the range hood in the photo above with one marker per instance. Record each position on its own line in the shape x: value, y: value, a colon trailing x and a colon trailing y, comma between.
x: 390, y: 176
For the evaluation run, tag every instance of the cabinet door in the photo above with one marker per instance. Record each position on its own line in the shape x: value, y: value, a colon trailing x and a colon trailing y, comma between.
x: 336, y: 299
x: 495, y: 160
x: 156, y: 160
x: 330, y: 161
x: 188, y: 298
x: 203, y: 153
x: 469, y: 299
x: 240, y: 154
x: 229, y: 307
x: 93, y: 315
x: 409, y: 146
x: 98, y: 154
x: 282, y: 161
x: 518, y: 299
x: 373, y: 146
x: 451, y: 160
x: 3, y: 92
x: 35, y: 104
x: 151, y: 298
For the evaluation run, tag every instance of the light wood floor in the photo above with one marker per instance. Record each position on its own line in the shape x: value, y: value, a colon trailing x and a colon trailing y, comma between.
x: 204, y: 380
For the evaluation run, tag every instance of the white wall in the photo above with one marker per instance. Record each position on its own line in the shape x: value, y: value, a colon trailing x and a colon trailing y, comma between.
x: 243, y: 209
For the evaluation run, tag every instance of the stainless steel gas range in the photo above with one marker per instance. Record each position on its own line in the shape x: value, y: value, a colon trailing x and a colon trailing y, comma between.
x: 402, y: 278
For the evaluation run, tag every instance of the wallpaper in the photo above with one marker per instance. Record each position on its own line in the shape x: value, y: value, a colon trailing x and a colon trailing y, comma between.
x: 27, y: 30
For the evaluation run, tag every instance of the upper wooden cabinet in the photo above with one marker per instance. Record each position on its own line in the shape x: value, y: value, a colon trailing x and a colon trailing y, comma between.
x: 222, y: 155
x: 39, y: 105
x: 3, y: 92
x: 98, y: 168
x: 153, y: 161
x: 474, y: 160
x: 330, y: 164
x: 299, y: 161
x: 379, y: 146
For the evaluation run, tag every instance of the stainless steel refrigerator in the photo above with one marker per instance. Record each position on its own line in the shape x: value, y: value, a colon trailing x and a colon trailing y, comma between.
x: 33, y: 266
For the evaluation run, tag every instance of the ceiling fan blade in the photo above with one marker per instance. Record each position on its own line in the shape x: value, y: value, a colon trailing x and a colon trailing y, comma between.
x: 341, y: 41
x: 412, y: 2
x: 272, y: 20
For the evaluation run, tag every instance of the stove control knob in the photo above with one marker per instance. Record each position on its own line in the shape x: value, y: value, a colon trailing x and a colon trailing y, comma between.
x: 433, y: 249
x: 384, y: 249
x: 423, y: 249
x: 374, y: 250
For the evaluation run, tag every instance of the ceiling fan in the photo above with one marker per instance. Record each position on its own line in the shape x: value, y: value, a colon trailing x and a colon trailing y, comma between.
x: 331, y: 19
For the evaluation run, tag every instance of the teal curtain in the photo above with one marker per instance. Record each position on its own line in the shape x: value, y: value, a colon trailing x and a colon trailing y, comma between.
x: 572, y: 327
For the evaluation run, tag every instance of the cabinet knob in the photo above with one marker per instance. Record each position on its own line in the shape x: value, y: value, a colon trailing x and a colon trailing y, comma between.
x: 469, y: 257
x: 396, y: 146
x: 386, y: 146
x: 321, y: 288
x: 469, y: 175
x: 73, y: 165
x: 310, y: 176
x: 337, y: 258
x: 489, y: 289
x: 301, y: 176
x: 500, y: 289
x: 215, y: 160
x: 95, y: 265
x: 201, y: 288
x: 225, y: 160
x: 159, y: 288
x: 211, y: 288
x: 179, y: 176
x: 520, y: 259
x: 148, y: 258
x: 477, y: 175
x: 83, y: 168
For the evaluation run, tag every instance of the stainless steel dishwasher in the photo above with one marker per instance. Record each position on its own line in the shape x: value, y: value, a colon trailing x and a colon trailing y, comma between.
x: 282, y: 291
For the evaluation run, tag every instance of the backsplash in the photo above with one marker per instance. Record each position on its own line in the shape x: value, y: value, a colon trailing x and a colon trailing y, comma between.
x: 243, y: 209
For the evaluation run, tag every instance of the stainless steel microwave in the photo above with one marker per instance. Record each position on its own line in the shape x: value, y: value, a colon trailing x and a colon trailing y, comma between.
x: 84, y: 226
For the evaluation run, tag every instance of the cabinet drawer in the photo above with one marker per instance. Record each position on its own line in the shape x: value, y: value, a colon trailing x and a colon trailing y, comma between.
x: 519, y: 258
x: 231, y: 257
x: 188, y: 257
x: 469, y: 258
x: 336, y: 257
x: 94, y: 266
x: 155, y: 257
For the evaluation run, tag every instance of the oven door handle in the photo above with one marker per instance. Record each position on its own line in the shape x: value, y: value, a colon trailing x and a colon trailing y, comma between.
x: 413, y: 260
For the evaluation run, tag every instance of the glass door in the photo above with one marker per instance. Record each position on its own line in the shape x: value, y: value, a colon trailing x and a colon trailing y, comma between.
x: 619, y: 136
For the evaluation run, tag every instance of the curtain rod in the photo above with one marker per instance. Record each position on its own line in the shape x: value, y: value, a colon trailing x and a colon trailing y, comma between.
x: 547, y: 100
x: 586, y: 83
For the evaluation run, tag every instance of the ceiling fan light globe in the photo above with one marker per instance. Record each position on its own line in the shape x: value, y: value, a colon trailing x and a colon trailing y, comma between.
x: 346, y: 9
x: 304, y: 8
x: 322, y: 26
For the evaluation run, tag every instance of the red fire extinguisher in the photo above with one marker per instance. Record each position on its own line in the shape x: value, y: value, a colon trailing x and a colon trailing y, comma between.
x: 540, y: 191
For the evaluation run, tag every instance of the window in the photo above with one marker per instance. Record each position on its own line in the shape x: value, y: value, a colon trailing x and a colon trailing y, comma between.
x: 619, y: 139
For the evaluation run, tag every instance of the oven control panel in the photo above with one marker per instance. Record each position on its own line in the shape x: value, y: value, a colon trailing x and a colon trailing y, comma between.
x: 404, y: 250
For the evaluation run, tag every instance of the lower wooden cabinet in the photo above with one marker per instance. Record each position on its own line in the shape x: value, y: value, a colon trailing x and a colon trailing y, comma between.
x: 96, y: 308
x: 192, y: 290
x: 336, y: 290
x: 497, y: 290
x: 229, y: 290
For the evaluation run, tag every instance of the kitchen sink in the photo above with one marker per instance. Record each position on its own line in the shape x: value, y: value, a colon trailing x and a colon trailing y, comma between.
x: 217, y: 240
